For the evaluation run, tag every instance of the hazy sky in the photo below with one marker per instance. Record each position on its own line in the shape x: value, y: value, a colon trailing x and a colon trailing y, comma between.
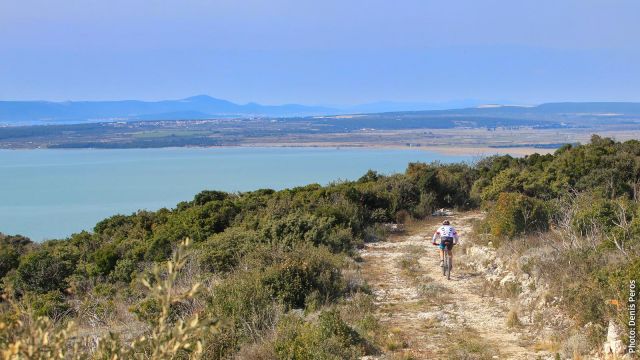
x: 320, y: 52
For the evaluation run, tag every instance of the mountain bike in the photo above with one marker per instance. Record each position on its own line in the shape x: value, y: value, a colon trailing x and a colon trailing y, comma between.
x: 447, y: 265
x: 446, y: 268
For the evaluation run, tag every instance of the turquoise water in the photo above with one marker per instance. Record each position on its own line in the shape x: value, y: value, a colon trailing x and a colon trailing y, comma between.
x: 48, y: 194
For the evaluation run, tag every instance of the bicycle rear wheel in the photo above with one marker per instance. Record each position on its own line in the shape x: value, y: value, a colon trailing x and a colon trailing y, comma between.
x: 444, y: 265
x: 446, y: 269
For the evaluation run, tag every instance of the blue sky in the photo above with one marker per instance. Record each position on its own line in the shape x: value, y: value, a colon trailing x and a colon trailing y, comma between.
x: 320, y: 52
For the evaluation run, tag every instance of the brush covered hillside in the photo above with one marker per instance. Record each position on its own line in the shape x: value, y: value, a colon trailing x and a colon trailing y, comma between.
x: 277, y: 274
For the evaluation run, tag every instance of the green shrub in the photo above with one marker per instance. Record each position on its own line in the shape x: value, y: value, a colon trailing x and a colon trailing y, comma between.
x: 301, y: 272
x: 206, y: 196
x: 9, y: 259
x: 44, y: 270
x: 505, y: 182
x: 51, y: 304
x: 332, y: 326
x: 160, y: 247
x: 197, y: 222
x: 147, y: 310
x: 379, y: 216
x: 245, y: 307
x: 593, y: 211
x: 300, y: 228
x: 105, y: 259
x: 249, y: 301
x: 331, y: 339
x: 124, y: 270
x: 515, y: 214
x: 222, y: 252
x: 11, y: 249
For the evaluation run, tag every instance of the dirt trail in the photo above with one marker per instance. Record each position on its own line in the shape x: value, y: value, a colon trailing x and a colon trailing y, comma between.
x: 423, y: 309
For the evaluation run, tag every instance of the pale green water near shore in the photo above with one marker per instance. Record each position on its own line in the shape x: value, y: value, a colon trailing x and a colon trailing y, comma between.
x: 48, y: 194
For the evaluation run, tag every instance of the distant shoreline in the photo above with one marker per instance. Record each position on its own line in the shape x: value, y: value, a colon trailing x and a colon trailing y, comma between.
x: 481, y: 131
x: 440, y: 149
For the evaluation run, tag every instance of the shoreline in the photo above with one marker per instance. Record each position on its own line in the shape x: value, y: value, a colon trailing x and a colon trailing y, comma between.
x: 439, y: 149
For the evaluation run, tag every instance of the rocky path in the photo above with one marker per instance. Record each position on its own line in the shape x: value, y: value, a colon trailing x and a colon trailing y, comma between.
x: 428, y: 316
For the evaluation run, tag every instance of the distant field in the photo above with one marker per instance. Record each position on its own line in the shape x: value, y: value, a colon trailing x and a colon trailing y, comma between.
x: 488, y: 130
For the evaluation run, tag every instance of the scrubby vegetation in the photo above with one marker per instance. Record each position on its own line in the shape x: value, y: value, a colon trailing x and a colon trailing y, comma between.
x: 571, y: 221
x: 274, y: 269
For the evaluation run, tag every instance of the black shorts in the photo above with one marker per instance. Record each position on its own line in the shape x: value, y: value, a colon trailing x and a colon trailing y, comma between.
x: 446, y: 242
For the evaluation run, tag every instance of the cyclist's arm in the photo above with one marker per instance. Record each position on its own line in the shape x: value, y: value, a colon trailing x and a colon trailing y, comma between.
x: 435, y: 236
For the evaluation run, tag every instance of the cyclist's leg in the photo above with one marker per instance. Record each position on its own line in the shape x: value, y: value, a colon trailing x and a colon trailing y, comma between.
x: 441, y: 247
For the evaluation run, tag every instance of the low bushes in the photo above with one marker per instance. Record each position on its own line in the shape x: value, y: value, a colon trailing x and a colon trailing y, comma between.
x: 44, y: 270
x: 516, y: 214
x: 328, y: 338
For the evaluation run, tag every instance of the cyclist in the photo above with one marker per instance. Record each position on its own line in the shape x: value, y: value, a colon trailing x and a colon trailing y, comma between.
x: 448, y: 237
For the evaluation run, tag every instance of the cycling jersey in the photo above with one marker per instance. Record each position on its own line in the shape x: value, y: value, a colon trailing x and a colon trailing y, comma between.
x: 446, y: 231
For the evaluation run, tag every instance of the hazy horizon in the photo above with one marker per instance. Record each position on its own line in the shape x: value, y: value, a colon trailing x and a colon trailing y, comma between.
x: 337, y: 105
x: 479, y: 102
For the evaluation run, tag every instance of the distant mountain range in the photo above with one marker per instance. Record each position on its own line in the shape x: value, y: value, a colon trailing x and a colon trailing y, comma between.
x: 191, y: 108
x: 206, y: 107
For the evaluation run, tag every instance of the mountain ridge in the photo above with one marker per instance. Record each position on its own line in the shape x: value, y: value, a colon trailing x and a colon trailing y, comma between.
x: 35, y: 112
x: 198, y: 107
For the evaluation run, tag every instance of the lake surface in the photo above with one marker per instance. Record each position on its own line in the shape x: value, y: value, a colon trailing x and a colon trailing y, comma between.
x: 48, y: 194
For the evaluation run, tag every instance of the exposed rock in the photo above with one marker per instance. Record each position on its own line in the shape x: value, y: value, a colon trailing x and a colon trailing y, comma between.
x: 614, y: 345
x: 442, y: 212
x: 509, y: 278
x: 394, y: 228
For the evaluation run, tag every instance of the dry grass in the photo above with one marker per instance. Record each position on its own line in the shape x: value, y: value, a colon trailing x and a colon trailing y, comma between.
x: 551, y: 346
x: 513, y: 321
x: 395, y: 340
x: 431, y: 324
x: 257, y: 351
x: 508, y: 290
x: 434, y: 293
x: 409, y: 265
x: 417, y: 226
x: 469, y: 345
x: 403, y: 356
